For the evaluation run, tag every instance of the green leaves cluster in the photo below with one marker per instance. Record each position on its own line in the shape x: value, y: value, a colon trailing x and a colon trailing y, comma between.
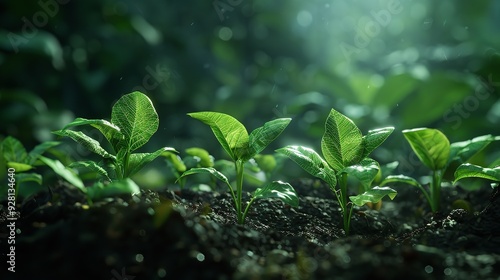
x: 434, y: 150
x: 133, y: 121
x: 15, y: 156
x: 241, y: 147
x: 345, y: 151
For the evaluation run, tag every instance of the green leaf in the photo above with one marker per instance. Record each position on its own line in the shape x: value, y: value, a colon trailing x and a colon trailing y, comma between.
x: 119, y: 187
x: 342, y: 142
x: 109, y: 130
x: 138, y: 160
x: 19, y: 167
x: 430, y: 145
x: 464, y: 150
x: 92, y: 166
x: 373, y: 195
x: 205, y: 159
x: 84, y: 140
x: 207, y: 170
x: 277, y: 189
x: 64, y: 172
x: 365, y: 171
x: 374, y: 138
x: 261, y: 137
x: 400, y: 179
x: 137, y: 119
x: 27, y: 177
x: 230, y: 133
x: 39, y: 150
x: 311, y: 162
x: 468, y: 170
x: 13, y: 150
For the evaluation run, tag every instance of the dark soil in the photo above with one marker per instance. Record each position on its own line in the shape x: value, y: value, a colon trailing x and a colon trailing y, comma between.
x: 193, y: 235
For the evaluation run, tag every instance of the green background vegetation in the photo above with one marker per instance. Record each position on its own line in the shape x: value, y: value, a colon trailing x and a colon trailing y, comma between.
x: 400, y: 63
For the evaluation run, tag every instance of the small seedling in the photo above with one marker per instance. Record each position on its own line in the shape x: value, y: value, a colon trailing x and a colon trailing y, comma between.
x: 133, y: 121
x: 15, y: 157
x: 345, y: 151
x: 434, y: 150
x: 242, y: 147
x: 195, y: 157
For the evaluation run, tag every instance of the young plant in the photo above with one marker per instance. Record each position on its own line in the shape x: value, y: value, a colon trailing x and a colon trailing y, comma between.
x: 133, y: 121
x: 345, y: 153
x: 19, y: 161
x: 241, y: 147
x: 195, y: 157
x: 434, y: 150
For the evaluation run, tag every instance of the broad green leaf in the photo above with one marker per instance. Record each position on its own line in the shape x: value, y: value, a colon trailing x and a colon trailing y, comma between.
x: 64, y: 172
x: 277, y: 189
x: 13, y: 150
x: 430, y: 145
x: 468, y: 170
x: 92, y: 166
x: 230, y: 133
x: 400, y: 179
x: 137, y: 119
x: 261, y: 137
x: 207, y: 170
x: 311, y: 162
x: 365, y: 171
x: 138, y: 160
x: 373, y: 195
x: 342, y: 142
x: 84, y: 140
x: 27, y: 177
x: 109, y: 130
x: 205, y: 159
x: 119, y: 187
x: 39, y: 150
x: 374, y: 138
x: 19, y: 167
x: 464, y: 150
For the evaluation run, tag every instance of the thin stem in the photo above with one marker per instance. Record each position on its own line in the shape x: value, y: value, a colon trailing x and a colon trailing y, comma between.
x: 239, y: 190
x: 347, y: 225
x: 343, y: 202
x: 125, y: 165
x: 246, y: 210
x: 436, y: 190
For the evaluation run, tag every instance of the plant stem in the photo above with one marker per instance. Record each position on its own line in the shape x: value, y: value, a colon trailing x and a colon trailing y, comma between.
x: 239, y: 191
x: 436, y: 190
x: 343, y: 202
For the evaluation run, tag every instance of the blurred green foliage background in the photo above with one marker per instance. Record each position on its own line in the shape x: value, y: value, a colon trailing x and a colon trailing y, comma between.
x: 386, y: 62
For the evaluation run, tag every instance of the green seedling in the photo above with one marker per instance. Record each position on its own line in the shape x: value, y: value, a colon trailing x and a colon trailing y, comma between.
x: 345, y: 153
x: 434, y: 150
x: 468, y: 170
x: 19, y: 162
x: 133, y: 121
x: 195, y: 157
x: 241, y: 147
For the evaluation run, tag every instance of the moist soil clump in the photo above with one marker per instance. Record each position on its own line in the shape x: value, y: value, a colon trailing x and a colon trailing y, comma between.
x: 186, y: 234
